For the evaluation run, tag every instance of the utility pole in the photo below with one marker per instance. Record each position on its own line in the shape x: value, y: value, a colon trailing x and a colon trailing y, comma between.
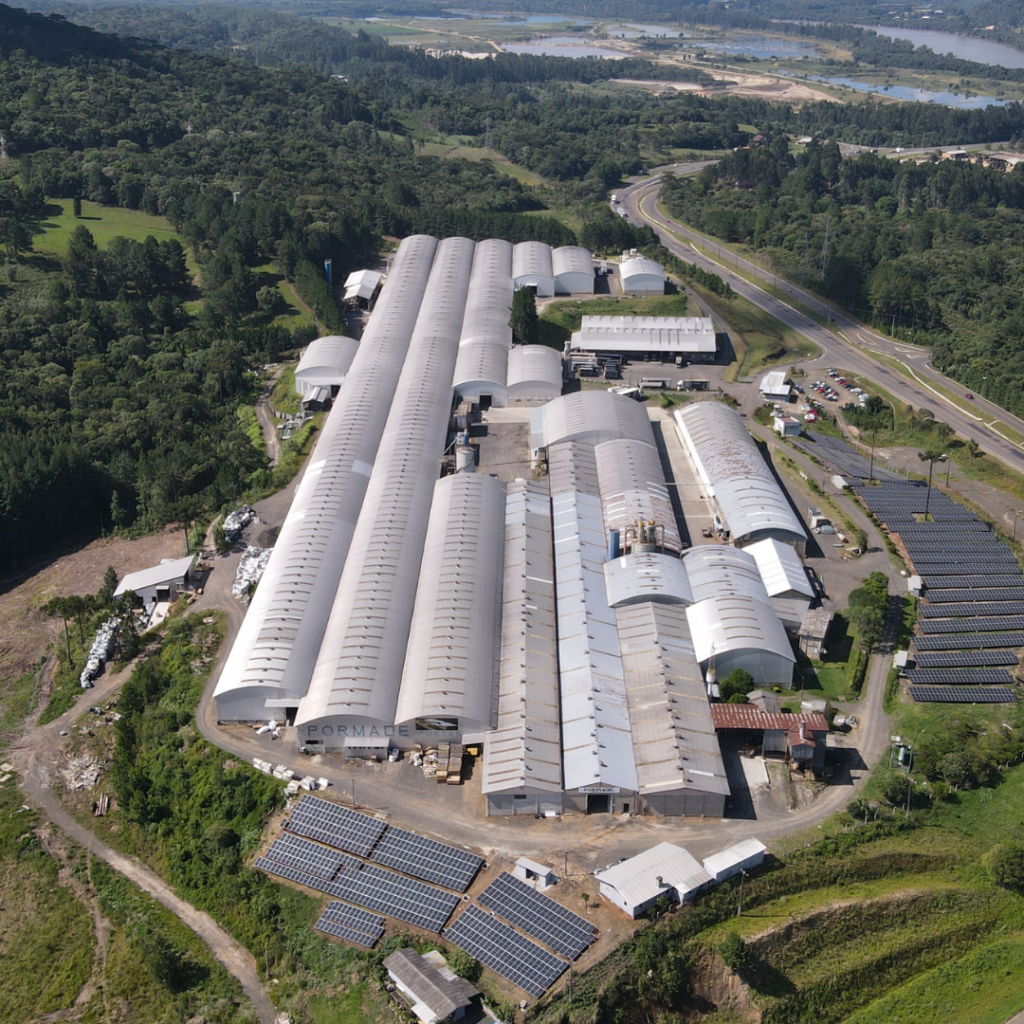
x: 739, y: 909
x: 871, y: 463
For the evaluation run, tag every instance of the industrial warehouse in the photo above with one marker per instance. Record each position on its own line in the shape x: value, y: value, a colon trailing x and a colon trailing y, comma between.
x: 555, y: 616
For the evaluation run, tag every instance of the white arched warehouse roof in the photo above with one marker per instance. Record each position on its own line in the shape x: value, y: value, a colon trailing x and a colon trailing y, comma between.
x: 640, y: 274
x: 489, y: 304
x: 480, y: 369
x: 590, y: 416
x: 451, y: 662
x: 714, y: 569
x: 780, y: 568
x: 534, y: 374
x: 325, y: 362
x: 531, y: 267
x: 359, y: 669
x: 273, y: 655
x: 736, y: 474
x: 646, y: 576
x: 633, y: 487
x: 741, y: 632
x: 573, y: 267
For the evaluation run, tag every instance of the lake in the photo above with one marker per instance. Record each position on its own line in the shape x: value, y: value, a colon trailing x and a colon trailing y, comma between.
x: 563, y: 46
x: 965, y: 47
x: 904, y: 92
x: 637, y: 31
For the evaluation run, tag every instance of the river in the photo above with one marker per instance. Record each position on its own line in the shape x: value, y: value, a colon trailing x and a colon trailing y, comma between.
x: 982, y: 51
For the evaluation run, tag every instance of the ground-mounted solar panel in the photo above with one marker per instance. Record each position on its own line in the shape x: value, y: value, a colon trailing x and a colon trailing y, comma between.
x: 293, y: 874
x: 974, y: 543
x: 962, y: 694
x: 943, y: 603
x: 965, y: 659
x: 406, y: 899
x: 427, y: 859
x: 968, y: 641
x: 960, y: 676
x: 982, y: 625
x: 966, y: 526
x: 351, y: 923
x: 964, y: 567
x: 505, y: 951
x: 1010, y: 581
x: 537, y: 915
x: 304, y: 854
x: 335, y: 825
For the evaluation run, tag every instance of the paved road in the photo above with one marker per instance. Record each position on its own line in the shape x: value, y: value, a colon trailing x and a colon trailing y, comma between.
x: 32, y: 755
x: 855, y: 352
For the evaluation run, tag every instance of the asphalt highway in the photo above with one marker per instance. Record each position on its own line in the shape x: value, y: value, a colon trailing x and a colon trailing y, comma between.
x: 856, y: 352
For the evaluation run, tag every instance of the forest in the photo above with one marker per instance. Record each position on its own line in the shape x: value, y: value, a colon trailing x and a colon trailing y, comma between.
x: 932, y: 252
x: 123, y: 373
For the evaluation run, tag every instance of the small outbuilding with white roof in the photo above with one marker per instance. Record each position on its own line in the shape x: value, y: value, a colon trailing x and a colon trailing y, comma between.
x: 324, y: 364
x: 775, y: 385
x: 641, y: 276
x: 361, y: 286
x: 164, y: 582
x: 665, y: 870
x: 573, y: 268
x: 742, y: 856
x: 785, y: 579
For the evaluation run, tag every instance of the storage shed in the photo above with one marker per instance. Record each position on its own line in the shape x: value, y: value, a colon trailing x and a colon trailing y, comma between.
x: 665, y: 870
x: 362, y: 286
x: 573, y: 268
x: 531, y: 268
x: 742, y: 856
x: 641, y: 276
x: 775, y: 385
x: 534, y: 375
x: 164, y: 582
x: 324, y: 364
x: 433, y: 993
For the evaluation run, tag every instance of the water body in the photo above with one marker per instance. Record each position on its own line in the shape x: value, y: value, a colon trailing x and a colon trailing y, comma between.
x: 904, y: 92
x: 762, y: 47
x: 636, y: 31
x: 965, y: 47
x: 563, y: 46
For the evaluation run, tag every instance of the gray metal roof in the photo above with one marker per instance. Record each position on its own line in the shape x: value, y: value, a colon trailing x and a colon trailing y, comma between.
x: 638, y: 269
x: 442, y: 996
x: 645, y: 334
x: 573, y: 268
x: 590, y: 416
x: 481, y: 366
x: 165, y: 572
x: 633, y: 488
x: 359, y: 668
x: 276, y: 647
x: 780, y: 568
x: 596, y: 743
x: 525, y: 750
x: 715, y: 569
x: 646, y: 576
x: 736, y: 474
x: 674, y: 741
x: 734, y: 622
x: 489, y: 303
x: 533, y: 365
x: 326, y: 361
x: 451, y: 658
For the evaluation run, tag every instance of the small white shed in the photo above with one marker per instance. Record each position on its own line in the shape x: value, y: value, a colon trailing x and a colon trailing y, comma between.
x: 742, y: 856
x: 324, y: 364
x: 665, y: 870
x: 540, y: 876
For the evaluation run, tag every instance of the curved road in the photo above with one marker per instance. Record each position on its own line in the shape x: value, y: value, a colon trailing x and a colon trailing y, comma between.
x: 640, y: 202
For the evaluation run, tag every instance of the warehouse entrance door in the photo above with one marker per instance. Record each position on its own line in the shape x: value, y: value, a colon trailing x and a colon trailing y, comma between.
x: 599, y: 803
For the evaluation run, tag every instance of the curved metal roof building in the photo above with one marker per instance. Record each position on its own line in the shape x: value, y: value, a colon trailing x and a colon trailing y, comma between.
x: 531, y: 267
x: 573, y: 268
x: 646, y: 576
x: 359, y: 668
x: 714, y: 569
x: 451, y: 662
x: 325, y: 362
x: 745, y: 491
x: 591, y: 417
x: 275, y: 650
x: 641, y: 276
x: 534, y: 374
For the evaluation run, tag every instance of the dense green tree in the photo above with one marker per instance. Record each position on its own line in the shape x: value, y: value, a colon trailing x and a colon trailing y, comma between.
x: 733, y: 950
x: 738, y: 683
x: 524, y: 320
x: 1006, y: 865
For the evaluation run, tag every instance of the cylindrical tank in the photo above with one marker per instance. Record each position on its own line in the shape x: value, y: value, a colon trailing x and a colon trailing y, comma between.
x: 465, y: 460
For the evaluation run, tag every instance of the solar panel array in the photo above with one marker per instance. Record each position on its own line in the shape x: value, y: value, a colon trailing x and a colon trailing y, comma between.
x: 538, y: 915
x: 962, y: 694
x: 335, y: 825
x: 972, y: 619
x: 960, y: 676
x: 351, y: 923
x: 964, y: 659
x: 505, y: 951
x: 427, y: 858
x: 297, y: 852
x: 843, y: 459
x: 967, y: 641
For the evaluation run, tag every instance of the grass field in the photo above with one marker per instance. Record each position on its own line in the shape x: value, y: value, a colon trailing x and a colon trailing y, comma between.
x: 453, y: 149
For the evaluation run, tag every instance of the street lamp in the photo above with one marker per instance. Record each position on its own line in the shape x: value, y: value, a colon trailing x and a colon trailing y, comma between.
x: 1016, y: 512
x: 931, y: 458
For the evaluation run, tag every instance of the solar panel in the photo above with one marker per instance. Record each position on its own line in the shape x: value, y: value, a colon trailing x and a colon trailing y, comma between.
x: 335, y: 825
x: 967, y: 641
x: 427, y: 859
x: 989, y: 624
x: 981, y: 595
x: 351, y: 923
x: 1014, y: 581
x: 297, y: 852
x: 962, y: 694
x: 964, y: 567
x: 964, y: 659
x: 960, y: 676
x: 505, y: 951
x: 537, y: 915
x: 383, y: 891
